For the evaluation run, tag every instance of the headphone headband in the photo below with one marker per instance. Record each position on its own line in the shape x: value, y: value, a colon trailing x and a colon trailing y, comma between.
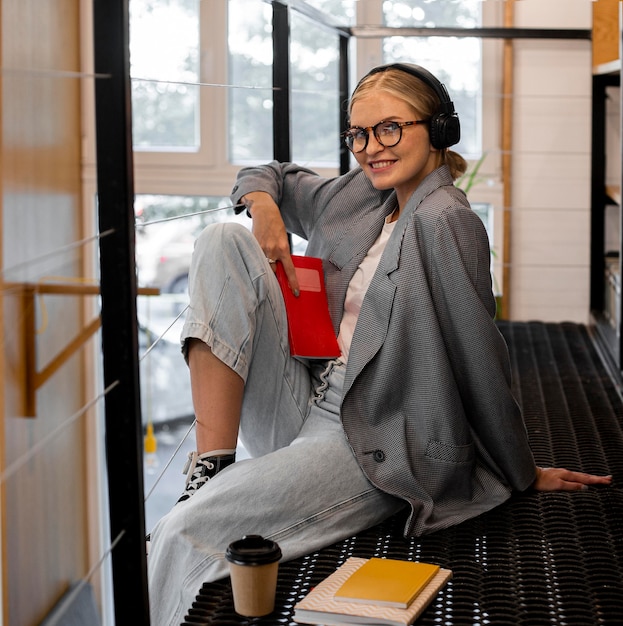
x: 447, y: 106
x: 445, y: 129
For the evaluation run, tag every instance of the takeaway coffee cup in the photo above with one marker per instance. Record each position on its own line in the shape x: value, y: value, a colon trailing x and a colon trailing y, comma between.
x: 253, y: 566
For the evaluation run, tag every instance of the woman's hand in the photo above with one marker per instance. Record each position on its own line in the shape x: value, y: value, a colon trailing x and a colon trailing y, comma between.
x: 270, y: 232
x: 560, y: 479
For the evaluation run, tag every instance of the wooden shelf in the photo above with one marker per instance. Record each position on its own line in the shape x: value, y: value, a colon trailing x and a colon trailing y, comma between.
x: 610, y: 67
x: 34, y: 378
x: 614, y: 193
x: 606, y: 34
x: 607, y: 343
x: 606, y: 302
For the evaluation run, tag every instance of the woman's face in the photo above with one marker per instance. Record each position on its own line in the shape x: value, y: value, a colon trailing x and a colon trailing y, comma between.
x: 403, y: 166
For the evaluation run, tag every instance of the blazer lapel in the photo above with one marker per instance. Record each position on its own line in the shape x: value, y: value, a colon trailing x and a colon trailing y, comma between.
x: 373, y: 321
x: 348, y: 252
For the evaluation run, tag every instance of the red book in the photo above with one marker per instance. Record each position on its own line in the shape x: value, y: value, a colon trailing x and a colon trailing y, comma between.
x: 310, y: 329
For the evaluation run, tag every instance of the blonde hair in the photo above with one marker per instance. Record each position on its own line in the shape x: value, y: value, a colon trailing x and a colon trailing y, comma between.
x: 418, y: 95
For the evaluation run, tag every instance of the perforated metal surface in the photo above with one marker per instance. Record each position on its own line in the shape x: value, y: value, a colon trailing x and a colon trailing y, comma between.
x: 538, y: 559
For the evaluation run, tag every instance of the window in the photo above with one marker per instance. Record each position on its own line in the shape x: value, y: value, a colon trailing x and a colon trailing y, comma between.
x: 456, y: 62
x: 164, y: 246
x: 250, y: 111
x: 166, y: 229
x: 164, y: 55
x: 211, y: 113
x: 315, y: 94
x: 314, y: 85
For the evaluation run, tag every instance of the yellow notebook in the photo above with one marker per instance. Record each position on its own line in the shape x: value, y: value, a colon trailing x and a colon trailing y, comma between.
x: 387, y: 582
x: 320, y: 606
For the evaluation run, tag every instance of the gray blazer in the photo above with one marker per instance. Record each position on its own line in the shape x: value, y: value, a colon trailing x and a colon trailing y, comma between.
x: 427, y: 403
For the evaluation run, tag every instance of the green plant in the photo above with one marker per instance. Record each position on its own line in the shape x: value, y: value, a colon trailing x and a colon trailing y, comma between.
x: 469, y: 178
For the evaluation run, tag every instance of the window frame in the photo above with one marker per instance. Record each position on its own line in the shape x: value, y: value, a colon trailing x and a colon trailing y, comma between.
x: 208, y: 170
x: 205, y: 171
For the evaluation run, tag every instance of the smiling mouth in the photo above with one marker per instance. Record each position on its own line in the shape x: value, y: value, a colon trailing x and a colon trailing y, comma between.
x: 380, y: 164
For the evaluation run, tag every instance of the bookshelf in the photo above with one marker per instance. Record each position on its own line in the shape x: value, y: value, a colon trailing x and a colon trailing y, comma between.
x: 606, y: 184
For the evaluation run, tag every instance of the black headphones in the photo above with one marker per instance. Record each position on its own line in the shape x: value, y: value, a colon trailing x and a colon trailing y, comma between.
x: 444, y: 127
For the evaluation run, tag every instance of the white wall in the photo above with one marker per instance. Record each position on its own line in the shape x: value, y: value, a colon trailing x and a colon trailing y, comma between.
x: 550, y: 221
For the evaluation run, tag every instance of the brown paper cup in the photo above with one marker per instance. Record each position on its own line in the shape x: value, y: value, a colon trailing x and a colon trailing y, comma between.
x: 253, y: 566
x: 254, y: 588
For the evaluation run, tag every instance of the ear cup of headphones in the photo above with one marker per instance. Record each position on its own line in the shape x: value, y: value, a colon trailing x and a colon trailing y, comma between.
x: 444, y: 130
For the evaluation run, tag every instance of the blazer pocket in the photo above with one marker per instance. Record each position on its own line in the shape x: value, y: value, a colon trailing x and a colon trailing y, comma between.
x: 449, y: 453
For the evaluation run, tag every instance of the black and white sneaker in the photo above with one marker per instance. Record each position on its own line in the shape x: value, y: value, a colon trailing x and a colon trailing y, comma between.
x: 200, y: 468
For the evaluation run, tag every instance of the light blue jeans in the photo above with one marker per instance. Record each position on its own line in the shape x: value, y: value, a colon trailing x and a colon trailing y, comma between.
x: 303, y: 488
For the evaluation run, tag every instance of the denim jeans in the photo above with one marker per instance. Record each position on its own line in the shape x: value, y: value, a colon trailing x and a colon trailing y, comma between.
x: 303, y: 488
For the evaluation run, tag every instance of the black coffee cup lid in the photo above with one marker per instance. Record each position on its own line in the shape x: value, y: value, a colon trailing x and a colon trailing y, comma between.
x: 253, y: 550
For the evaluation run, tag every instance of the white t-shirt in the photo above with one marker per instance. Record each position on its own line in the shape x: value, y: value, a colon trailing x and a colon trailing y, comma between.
x: 357, y: 289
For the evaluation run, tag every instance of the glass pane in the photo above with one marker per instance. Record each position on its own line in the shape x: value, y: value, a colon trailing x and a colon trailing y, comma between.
x: 166, y: 229
x: 315, y: 103
x: 485, y: 212
x: 250, y: 70
x: 455, y: 13
x: 456, y: 62
x: 314, y: 84
x: 342, y: 11
x: 164, y: 65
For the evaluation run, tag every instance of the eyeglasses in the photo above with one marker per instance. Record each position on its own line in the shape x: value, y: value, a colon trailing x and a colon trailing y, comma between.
x: 388, y: 134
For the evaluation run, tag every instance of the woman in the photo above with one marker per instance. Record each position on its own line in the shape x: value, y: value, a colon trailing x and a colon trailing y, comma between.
x: 418, y: 410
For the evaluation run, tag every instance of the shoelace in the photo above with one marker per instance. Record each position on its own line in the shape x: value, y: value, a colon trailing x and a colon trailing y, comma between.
x: 195, y: 470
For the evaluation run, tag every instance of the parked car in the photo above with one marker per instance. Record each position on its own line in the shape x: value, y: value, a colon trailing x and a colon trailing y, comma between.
x: 163, y: 252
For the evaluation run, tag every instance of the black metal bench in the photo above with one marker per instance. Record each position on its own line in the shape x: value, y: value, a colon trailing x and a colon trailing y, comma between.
x: 553, y: 558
